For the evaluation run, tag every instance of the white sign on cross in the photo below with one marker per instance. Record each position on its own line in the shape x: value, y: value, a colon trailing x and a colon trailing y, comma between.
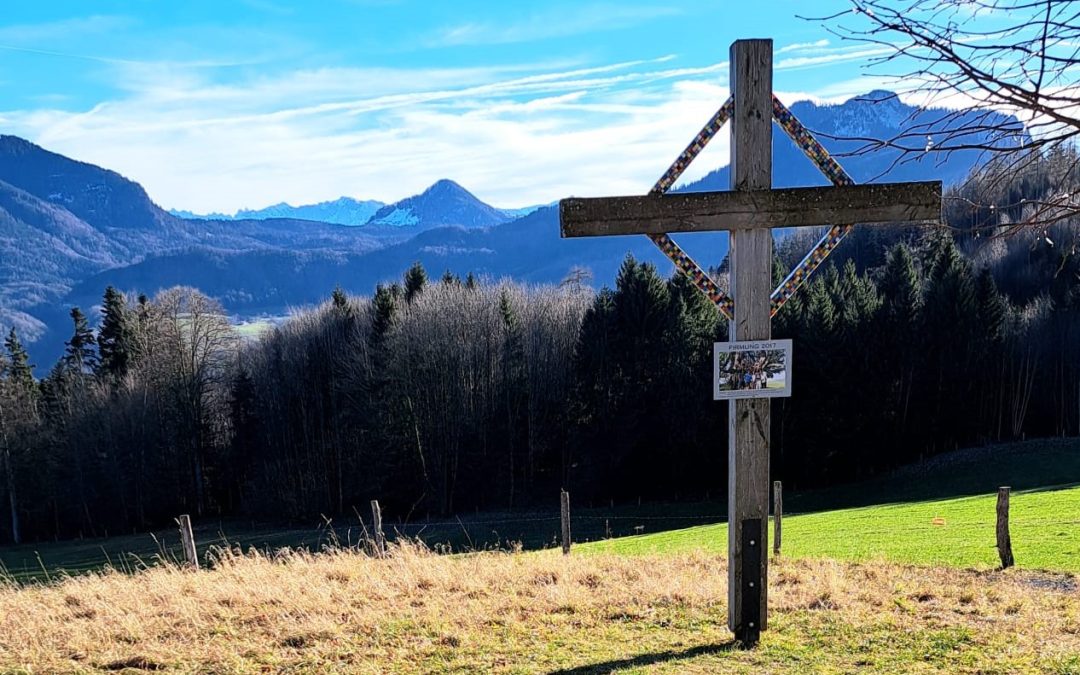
x: 749, y: 211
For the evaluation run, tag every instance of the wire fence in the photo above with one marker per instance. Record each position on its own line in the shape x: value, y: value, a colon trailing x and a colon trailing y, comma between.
x: 971, y: 530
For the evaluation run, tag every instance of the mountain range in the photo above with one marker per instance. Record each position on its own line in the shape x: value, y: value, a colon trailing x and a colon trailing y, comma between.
x: 349, y: 211
x: 341, y: 211
x: 68, y: 229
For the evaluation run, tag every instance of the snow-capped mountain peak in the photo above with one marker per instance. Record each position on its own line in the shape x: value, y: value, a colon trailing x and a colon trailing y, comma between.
x: 443, y: 203
x: 341, y: 211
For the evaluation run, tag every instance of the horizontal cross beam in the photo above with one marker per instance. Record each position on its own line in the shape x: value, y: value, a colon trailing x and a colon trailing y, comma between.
x: 750, y: 209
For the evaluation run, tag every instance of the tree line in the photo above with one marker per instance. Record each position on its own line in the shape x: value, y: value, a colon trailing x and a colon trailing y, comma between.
x: 445, y: 395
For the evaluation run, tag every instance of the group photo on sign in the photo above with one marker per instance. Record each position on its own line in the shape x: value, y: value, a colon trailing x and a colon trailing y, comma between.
x: 752, y: 369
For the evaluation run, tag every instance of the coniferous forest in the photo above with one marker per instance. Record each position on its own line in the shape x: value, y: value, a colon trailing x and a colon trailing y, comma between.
x: 439, y: 395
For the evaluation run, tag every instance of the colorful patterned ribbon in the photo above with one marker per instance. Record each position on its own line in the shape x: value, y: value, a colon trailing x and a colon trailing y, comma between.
x: 666, y: 244
x: 798, y: 276
x: 835, y: 173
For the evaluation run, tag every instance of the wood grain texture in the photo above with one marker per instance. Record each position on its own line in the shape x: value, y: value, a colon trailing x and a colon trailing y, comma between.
x: 187, y: 542
x: 1004, y: 541
x: 762, y: 208
x: 564, y: 511
x: 376, y: 523
x: 751, y: 284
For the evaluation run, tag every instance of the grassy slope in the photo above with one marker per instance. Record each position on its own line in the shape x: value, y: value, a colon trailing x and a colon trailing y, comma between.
x: 1044, y: 519
x: 1045, y: 530
x: 593, y: 612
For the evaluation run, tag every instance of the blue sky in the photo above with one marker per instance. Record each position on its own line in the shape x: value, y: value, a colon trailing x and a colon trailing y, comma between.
x: 243, y: 103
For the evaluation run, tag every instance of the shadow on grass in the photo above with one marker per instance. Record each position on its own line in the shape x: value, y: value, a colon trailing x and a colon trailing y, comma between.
x: 650, y: 659
x: 1028, y: 466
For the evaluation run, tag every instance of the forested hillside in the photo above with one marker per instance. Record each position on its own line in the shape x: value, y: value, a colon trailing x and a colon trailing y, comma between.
x: 449, y: 394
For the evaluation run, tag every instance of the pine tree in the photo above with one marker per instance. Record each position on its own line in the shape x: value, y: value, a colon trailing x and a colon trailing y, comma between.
x: 142, y: 311
x: 17, y: 367
x: 703, y: 319
x: 338, y: 298
x: 952, y: 343
x: 642, y: 303
x: 514, y: 390
x: 787, y: 320
x: 79, y: 353
x: 990, y: 332
x: 686, y: 384
x: 18, y: 416
x: 383, y: 307
x: 949, y: 303
x: 899, y: 336
x: 596, y: 387
x: 646, y: 320
x: 950, y: 288
x: 340, y: 305
x: 450, y: 279
x: 116, y: 341
x: 858, y: 303
x: 900, y: 292
x: 245, y: 433
x: 779, y: 271
x: 415, y: 280
x: 993, y: 310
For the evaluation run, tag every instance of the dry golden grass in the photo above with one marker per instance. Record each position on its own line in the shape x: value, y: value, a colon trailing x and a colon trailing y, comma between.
x: 417, y: 612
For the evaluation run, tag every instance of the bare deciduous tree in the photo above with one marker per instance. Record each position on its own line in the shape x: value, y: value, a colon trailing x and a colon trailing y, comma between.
x: 198, y: 346
x: 1004, y: 74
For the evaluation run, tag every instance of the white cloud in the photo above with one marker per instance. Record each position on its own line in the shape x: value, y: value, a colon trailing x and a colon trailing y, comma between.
x: 515, y: 135
x: 563, y: 22
x: 832, y: 57
x: 51, y: 32
x: 803, y: 46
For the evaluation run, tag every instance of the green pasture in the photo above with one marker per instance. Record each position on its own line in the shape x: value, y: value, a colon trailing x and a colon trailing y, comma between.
x: 1044, y: 525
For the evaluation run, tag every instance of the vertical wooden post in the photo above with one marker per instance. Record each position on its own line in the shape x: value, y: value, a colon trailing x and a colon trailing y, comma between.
x: 187, y: 541
x: 751, y: 285
x: 1004, y: 541
x: 376, y: 519
x: 778, y: 515
x: 564, y: 504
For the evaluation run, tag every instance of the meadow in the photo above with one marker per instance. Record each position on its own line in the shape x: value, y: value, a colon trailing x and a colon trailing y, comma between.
x: 506, y: 612
x: 1044, y: 526
x: 910, y: 585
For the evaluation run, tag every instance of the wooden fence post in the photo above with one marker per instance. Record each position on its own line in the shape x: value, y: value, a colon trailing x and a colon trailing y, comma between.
x: 1004, y: 542
x: 380, y: 537
x: 778, y: 515
x: 187, y: 541
x: 564, y: 499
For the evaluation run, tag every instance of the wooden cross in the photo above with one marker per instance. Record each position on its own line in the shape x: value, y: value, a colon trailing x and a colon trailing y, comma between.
x: 749, y: 211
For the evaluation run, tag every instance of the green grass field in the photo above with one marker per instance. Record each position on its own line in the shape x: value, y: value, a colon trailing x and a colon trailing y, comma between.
x: 939, y: 513
x: 1044, y: 525
x: 839, y: 602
